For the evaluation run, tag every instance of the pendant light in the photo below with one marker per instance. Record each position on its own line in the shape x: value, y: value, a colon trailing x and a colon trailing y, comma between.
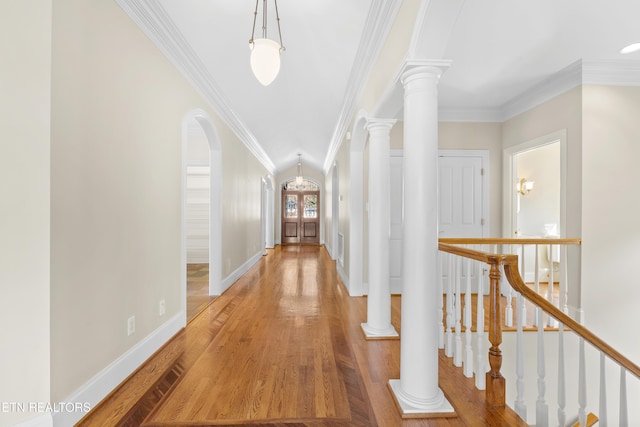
x: 265, y: 53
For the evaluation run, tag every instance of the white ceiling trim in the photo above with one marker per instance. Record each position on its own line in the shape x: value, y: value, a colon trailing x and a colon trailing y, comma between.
x: 614, y: 73
x: 153, y: 20
x: 377, y: 26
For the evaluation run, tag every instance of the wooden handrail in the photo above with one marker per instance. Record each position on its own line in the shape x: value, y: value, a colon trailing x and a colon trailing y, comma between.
x: 495, y: 386
x: 513, y: 276
x: 508, y: 240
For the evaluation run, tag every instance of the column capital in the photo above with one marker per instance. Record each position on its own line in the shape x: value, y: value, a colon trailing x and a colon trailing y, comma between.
x: 374, y: 123
x: 423, y: 67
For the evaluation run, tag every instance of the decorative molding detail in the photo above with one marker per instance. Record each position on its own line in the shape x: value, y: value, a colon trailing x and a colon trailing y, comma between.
x: 110, y: 377
x: 231, y: 278
x: 379, y: 21
x: 611, y: 73
x: 560, y: 82
x: 488, y: 115
x: 152, y: 19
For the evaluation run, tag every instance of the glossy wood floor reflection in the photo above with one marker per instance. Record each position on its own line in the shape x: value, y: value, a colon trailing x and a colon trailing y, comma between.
x: 197, y: 289
x: 283, y: 346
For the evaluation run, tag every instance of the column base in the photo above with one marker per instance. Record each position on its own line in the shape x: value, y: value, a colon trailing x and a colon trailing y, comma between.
x: 379, y: 334
x: 413, y: 408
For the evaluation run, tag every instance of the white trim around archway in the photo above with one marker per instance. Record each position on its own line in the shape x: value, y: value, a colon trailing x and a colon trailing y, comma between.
x: 215, y: 207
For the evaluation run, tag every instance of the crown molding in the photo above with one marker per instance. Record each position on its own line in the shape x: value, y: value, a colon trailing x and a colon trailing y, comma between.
x: 581, y: 72
x: 153, y: 20
x: 376, y: 29
x: 613, y: 73
x: 548, y: 88
x: 488, y: 115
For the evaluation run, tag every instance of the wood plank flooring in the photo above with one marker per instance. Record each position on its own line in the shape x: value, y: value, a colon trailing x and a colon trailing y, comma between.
x: 197, y: 289
x: 282, y: 346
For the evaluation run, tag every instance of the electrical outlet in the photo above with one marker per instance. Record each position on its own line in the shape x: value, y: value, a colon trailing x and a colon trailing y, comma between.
x: 161, y: 308
x: 131, y: 325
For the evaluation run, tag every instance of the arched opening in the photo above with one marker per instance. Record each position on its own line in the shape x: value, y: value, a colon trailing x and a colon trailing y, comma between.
x: 201, y: 212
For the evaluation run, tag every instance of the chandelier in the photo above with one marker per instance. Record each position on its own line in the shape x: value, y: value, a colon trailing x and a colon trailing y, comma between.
x: 299, y: 175
x: 265, y: 53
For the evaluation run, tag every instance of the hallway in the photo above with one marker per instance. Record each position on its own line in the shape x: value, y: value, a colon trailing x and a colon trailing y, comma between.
x: 282, y: 346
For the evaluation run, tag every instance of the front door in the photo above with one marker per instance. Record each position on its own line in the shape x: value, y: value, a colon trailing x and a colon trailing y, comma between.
x: 300, y: 217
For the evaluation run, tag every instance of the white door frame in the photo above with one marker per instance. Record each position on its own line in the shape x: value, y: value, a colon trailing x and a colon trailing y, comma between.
x: 509, y: 175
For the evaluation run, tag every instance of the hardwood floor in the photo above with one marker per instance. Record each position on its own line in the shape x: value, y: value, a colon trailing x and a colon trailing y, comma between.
x: 197, y: 289
x: 282, y: 346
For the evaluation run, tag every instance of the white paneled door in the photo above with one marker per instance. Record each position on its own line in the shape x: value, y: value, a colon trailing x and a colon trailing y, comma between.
x: 461, y: 198
x: 463, y: 202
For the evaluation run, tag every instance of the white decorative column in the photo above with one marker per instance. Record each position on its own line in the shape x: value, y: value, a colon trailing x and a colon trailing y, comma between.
x: 378, y: 324
x: 417, y: 392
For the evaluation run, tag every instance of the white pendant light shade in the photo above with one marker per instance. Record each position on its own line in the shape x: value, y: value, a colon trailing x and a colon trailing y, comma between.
x: 265, y: 60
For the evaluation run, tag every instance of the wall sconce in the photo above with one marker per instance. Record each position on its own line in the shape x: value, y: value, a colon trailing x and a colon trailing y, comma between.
x: 524, y: 187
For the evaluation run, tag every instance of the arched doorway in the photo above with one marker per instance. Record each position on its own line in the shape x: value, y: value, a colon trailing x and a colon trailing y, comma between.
x: 300, y: 222
x: 201, y: 208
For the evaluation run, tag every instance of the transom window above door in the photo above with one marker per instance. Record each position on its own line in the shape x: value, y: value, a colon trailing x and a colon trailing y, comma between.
x: 305, y: 186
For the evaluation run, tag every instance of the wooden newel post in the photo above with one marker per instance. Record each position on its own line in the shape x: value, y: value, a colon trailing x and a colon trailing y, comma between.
x: 495, y: 381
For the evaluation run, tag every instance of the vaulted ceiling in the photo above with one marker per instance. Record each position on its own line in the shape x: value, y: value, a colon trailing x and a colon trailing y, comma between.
x: 501, y: 49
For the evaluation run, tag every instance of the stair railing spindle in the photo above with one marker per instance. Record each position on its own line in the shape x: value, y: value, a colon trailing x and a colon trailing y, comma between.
x: 542, y: 409
x: 520, y: 405
x: 624, y: 410
x: 481, y: 369
x: 602, y: 404
x: 457, y: 353
x: 562, y: 392
x: 468, y: 355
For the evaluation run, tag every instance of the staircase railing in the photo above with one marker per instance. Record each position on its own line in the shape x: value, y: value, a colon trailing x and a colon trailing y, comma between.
x: 539, y: 306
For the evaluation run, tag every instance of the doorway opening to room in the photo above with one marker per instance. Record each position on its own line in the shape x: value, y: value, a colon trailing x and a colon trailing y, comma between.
x: 534, y: 196
x: 300, y: 222
x: 201, y: 214
x: 197, y: 220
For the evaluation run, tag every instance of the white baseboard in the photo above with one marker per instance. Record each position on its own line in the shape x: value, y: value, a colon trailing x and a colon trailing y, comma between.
x: 231, y: 278
x: 110, y: 377
x: 44, y: 420
x: 343, y: 275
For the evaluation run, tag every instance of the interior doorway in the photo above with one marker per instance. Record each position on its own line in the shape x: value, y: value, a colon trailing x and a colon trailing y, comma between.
x: 535, y: 196
x: 300, y: 222
x: 535, y: 187
x: 201, y: 213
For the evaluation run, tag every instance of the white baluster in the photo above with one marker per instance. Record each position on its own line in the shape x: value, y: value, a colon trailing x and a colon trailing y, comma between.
x: 520, y: 406
x: 562, y: 393
x: 542, y: 409
x: 552, y: 322
x: 602, y: 409
x: 522, y: 302
x: 536, y: 275
x: 481, y: 356
x: 457, y: 353
x: 624, y: 413
x: 564, y: 280
x: 582, y: 387
x: 448, y: 346
x: 468, y: 323
x: 440, y: 286
x: 508, y: 311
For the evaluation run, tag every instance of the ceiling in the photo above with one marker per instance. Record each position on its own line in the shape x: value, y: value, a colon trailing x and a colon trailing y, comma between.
x: 500, y: 49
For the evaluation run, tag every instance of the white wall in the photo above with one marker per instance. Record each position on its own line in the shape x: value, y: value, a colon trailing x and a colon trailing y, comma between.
x: 542, y: 205
x: 611, y: 230
x: 479, y: 136
x: 116, y: 188
x: 25, y: 85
